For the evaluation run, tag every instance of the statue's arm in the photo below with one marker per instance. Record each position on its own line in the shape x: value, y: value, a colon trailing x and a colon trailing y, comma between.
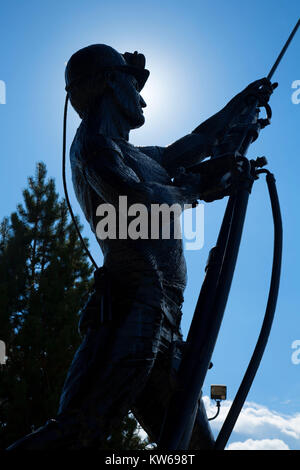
x: 155, y: 152
x: 186, y: 152
x: 110, y: 177
x: 194, y: 147
x: 191, y: 149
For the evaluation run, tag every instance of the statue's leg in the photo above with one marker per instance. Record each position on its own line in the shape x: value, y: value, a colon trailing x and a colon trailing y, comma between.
x: 118, y: 370
x: 151, y: 404
x: 108, y: 371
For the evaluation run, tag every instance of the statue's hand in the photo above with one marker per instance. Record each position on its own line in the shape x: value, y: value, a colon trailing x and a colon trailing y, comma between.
x: 210, y: 180
x: 201, y: 186
x: 260, y: 89
x: 190, y: 183
x: 217, y: 125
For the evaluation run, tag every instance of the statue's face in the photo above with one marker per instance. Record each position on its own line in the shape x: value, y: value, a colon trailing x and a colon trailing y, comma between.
x: 128, y: 99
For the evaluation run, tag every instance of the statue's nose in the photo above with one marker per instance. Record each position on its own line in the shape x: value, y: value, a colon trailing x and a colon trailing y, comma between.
x: 143, y: 102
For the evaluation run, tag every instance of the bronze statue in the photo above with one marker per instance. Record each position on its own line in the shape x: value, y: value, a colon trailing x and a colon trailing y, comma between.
x: 132, y: 343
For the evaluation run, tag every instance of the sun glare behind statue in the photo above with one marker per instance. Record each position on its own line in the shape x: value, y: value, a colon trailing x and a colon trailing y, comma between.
x: 164, y: 95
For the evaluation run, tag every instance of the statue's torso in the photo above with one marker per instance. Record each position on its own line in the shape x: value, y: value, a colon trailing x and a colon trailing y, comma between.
x: 129, y: 258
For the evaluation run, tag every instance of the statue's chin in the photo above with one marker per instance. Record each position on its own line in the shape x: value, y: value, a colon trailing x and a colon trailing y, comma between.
x: 139, y: 122
x: 133, y: 115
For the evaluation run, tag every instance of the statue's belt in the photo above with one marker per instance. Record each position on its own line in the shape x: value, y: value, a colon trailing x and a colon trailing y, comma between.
x: 107, y: 296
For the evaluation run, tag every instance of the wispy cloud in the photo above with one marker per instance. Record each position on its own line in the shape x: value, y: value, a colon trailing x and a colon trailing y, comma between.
x: 263, y: 428
x: 263, y: 444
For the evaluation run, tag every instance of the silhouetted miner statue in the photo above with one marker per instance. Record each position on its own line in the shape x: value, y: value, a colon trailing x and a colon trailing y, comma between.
x: 132, y: 341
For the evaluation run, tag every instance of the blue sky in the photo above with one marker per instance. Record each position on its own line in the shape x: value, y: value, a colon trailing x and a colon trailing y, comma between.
x: 200, y: 54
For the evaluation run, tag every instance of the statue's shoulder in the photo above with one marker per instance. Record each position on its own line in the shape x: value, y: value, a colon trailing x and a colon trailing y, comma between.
x: 155, y: 152
x: 87, y: 145
x: 98, y: 141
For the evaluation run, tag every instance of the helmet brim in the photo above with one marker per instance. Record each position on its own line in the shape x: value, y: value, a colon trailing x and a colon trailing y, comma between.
x: 141, y: 75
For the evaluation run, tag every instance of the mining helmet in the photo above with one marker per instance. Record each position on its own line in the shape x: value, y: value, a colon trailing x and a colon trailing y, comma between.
x: 98, y: 58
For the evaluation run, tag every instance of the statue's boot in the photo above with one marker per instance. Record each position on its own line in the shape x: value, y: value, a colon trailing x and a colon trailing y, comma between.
x: 55, y: 434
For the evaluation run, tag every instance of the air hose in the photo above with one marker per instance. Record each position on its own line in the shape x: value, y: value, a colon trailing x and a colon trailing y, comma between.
x: 254, y: 363
x: 65, y: 184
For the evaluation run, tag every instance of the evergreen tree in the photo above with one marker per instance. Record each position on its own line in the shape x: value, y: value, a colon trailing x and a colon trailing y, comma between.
x: 45, y: 279
x: 127, y: 436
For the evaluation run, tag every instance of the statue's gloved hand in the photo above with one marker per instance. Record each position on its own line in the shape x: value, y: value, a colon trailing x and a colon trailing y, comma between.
x: 191, y: 183
x: 210, y: 180
x: 259, y: 90
x: 215, y: 127
x: 202, y: 186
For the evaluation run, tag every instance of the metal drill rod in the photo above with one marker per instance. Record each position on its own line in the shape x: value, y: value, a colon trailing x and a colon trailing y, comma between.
x: 283, y: 51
